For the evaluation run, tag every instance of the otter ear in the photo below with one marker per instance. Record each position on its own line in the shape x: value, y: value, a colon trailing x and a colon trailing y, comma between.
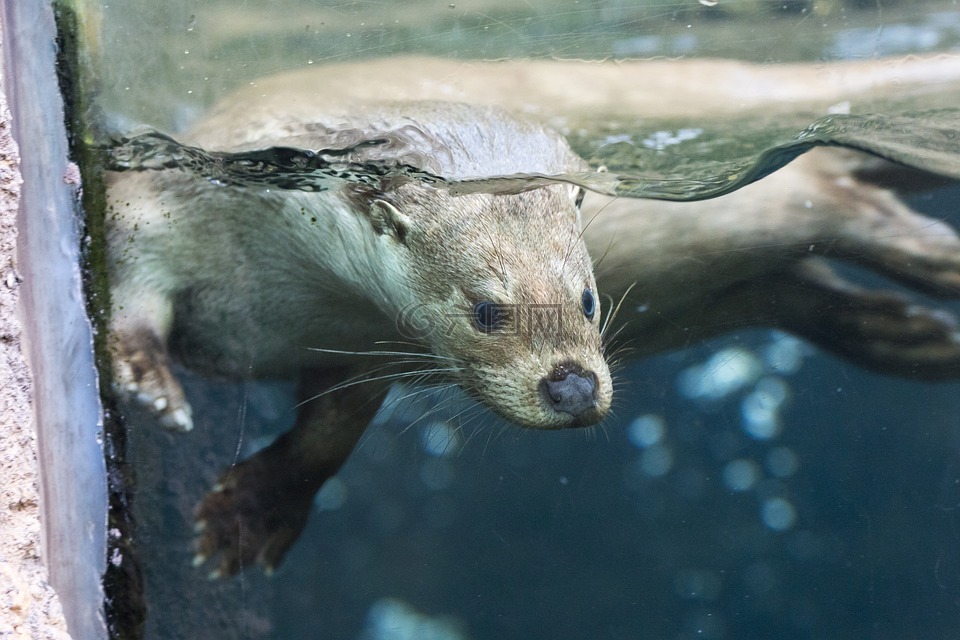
x: 387, y: 219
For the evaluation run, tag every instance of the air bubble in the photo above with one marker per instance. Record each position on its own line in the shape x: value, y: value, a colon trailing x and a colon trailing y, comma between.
x: 332, y: 496
x: 760, y: 409
x: 741, y: 475
x: 778, y: 514
x: 393, y: 619
x: 656, y: 461
x: 785, y: 354
x: 440, y: 439
x: 645, y: 431
x: 725, y: 373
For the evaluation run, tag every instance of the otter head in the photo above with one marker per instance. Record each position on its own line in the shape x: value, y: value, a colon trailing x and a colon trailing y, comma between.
x: 502, y: 288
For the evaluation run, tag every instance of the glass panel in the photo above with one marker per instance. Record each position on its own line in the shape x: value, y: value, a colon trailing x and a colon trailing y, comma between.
x: 746, y: 484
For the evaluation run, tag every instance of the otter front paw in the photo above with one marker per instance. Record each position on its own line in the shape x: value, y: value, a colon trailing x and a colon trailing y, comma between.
x: 253, y: 514
x: 141, y: 371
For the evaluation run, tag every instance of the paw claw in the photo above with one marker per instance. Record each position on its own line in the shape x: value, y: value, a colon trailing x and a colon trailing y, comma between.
x: 252, y: 515
x: 179, y: 420
x: 142, y: 372
x: 198, y: 560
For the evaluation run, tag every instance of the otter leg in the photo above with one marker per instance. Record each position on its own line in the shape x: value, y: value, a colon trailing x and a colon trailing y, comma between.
x: 141, y: 364
x: 884, y: 234
x: 880, y: 330
x: 258, y: 507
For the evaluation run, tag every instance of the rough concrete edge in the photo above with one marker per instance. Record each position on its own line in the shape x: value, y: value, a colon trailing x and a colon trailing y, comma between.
x: 29, y: 607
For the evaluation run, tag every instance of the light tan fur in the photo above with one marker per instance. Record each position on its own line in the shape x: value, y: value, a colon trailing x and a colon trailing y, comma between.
x: 252, y: 283
x: 259, y: 282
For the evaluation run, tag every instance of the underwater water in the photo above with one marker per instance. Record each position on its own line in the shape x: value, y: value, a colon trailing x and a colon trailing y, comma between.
x: 750, y: 487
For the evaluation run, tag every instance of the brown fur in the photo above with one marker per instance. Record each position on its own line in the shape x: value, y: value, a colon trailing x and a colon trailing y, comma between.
x: 247, y: 283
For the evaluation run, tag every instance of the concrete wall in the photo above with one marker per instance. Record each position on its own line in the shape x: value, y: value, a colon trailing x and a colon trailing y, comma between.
x: 51, y: 454
x: 29, y: 607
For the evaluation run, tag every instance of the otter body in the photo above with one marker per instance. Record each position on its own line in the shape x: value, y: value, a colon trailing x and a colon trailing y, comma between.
x: 296, y: 290
x: 496, y: 292
x: 352, y: 288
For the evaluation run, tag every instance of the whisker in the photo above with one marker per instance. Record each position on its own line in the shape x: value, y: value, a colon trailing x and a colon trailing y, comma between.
x: 473, y: 410
x: 612, y: 339
x: 387, y: 377
x: 579, y: 238
x: 437, y: 408
x: 598, y: 267
x: 413, y: 354
x: 616, y: 310
x: 477, y: 413
x: 592, y: 219
x: 412, y: 344
x: 598, y: 261
x: 606, y: 321
x: 421, y: 388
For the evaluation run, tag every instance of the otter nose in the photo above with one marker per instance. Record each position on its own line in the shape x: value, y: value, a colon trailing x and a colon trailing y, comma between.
x: 570, y: 389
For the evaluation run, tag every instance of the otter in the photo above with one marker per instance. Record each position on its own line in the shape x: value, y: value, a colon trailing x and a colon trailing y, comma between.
x: 267, y: 283
x: 334, y: 287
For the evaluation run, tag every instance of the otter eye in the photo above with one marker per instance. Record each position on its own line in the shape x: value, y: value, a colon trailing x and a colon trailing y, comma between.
x: 589, y: 303
x: 488, y: 316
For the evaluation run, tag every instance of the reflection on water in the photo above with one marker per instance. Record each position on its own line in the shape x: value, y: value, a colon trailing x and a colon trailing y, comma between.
x: 725, y: 162
x: 749, y: 488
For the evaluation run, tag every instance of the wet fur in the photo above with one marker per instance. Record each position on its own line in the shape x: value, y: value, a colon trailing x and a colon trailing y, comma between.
x: 251, y: 283
x: 248, y: 284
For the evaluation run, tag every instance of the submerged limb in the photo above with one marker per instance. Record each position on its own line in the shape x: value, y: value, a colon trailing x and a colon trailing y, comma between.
x: 141, y: 363
x: 750, y: 259
x: 883, y: 233
x: 880, y: 330
x: 259, y: 507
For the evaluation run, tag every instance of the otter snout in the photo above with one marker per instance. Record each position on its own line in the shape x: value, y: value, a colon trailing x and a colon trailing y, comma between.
x: 569, y: 389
